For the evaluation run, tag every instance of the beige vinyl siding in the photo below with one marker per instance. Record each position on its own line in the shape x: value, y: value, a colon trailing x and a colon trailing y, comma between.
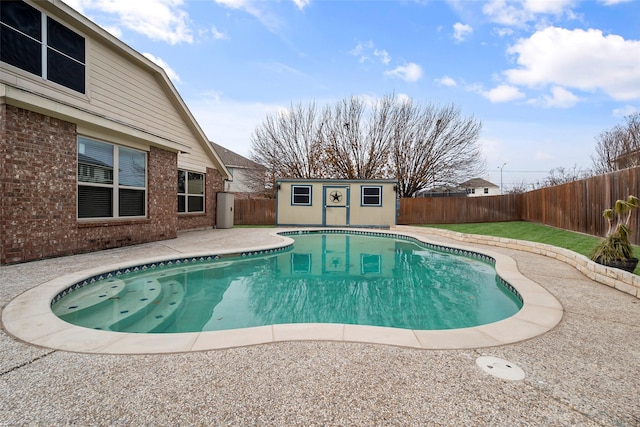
x: 127, y: 92
x: 358, y: 215
x: 120, y: 89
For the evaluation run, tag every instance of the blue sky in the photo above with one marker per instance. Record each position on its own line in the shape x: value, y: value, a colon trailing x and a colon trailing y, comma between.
x: 545, y: 77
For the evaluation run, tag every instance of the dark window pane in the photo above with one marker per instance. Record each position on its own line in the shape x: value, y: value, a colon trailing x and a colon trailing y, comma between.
x: 95, y: 202
x: 371, y: 191
x: 22, y: 17
x: 181, y: 183
x: 300, y: 200
x: 65, y: 71
x: 368, y: 200
x: 20, y: 51
x: 131, y: 202
x: 181, y: 203
x: 196, y: 204
x: 64, y: 40
x: 132, y: 167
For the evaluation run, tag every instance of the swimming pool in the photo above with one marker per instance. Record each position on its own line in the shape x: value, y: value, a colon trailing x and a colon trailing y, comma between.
x: 364, y: 278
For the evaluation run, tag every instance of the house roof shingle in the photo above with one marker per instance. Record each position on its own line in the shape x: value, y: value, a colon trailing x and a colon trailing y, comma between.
x: 234, y: 160
x: 478, y: 182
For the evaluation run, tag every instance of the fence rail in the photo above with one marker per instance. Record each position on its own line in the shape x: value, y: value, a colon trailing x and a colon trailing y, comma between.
x: 575, y: 206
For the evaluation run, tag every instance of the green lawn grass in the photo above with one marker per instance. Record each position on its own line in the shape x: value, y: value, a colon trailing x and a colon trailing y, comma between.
x: 521, y: 230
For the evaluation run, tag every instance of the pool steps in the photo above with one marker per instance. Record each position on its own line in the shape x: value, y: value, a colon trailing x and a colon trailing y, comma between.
x: 144, y: 305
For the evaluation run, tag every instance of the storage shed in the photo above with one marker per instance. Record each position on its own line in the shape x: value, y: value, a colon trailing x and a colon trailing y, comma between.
x: 336, y: 202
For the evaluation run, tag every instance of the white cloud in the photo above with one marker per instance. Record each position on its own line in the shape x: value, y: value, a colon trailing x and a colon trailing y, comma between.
x: 501, y: 93
x: 560, y: 97
x: 403, y: 98
x: 614, y: 2
x: 163, y: 64
x: 382, y: 55
x: 366, y: 51
x: 446, y: 81
x: 115, y: 31
x: 301, y: 4
x: 579, y: 59
x: 521, y: 12
x: 360, y: 49
x: 410, y: 72
x: 503, y: 31
x: 461, y: 31
x: 627, y: 110
x: 163, y: 20
x: 259, y: 9
x: 218, y: 35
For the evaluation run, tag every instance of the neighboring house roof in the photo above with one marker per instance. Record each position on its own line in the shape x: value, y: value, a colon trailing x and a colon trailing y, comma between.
x: 477, y: 183
x: 88, y: 160
x: 235, y: 160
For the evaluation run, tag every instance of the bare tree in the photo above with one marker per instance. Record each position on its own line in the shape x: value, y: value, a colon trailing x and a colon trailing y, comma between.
x: 434, y: 146
x: 358, y: 138
x: 561, y: 175
x: 619, y: 147
x: 520, y: 187
x: 418, y: 146
x: 289, y: 143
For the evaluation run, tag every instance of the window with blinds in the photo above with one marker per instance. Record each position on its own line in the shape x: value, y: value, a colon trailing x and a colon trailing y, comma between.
x: 112, y: 180
x: 190, y: 192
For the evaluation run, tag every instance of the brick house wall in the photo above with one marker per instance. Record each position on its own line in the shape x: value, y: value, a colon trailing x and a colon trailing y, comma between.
x: 161, y: 221
x: 38, y: 183
x: 214, y: 183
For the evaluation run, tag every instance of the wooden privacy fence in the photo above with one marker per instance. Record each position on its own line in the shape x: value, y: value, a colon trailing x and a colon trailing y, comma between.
x: 578, y: 205
x: 254, y: 212
x: 454, y: 210
x: 575, y: 206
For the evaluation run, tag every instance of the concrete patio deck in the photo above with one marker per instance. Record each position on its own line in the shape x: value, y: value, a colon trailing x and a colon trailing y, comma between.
x: 585, y: 371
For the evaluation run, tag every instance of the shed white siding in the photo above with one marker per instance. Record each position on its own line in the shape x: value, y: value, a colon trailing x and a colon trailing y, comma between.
x: 337, y: 203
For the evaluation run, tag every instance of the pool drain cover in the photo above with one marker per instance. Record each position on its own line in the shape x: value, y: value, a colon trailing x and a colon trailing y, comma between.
x: 500, y: 368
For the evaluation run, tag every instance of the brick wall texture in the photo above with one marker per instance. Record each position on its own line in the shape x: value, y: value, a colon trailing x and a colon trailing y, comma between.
x: 214, y: 183
x: 38, y: 207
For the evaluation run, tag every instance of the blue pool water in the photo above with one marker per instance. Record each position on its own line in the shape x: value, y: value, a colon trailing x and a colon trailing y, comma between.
x: 324, y: 278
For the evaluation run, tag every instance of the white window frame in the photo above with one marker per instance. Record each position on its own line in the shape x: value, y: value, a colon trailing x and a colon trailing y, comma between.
x: 186, y: 193
x: 293, y: 195
x: 115, y: 185
x: 363, y: 197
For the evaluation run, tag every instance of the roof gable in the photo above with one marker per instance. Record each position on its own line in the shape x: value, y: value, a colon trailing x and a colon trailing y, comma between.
x: 477, y: 183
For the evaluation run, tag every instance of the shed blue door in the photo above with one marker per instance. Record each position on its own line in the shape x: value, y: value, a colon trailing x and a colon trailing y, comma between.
x: 335, y: 206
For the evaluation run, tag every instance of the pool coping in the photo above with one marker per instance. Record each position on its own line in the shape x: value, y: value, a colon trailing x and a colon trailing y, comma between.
x: 29, y: 318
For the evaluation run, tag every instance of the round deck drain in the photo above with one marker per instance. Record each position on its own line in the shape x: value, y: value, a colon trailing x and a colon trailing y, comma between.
x: 500, y: 368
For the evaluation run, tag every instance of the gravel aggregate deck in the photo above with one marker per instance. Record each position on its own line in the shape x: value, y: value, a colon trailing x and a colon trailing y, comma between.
x: 585, y: 372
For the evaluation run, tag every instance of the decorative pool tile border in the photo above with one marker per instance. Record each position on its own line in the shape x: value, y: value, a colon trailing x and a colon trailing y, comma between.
x: 261, y: 252
x: 164, y: 263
